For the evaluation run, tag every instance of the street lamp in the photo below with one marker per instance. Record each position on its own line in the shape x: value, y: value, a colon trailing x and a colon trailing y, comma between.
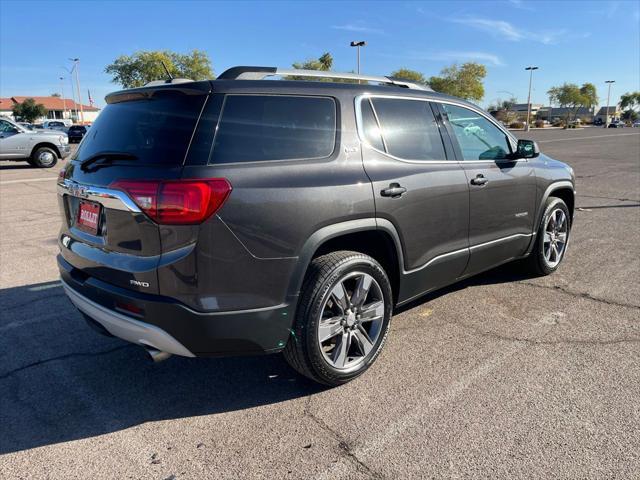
x: 76, y: 65
x: 531, y: 69
x: 64, y: 101
x: 358, y: 45
x: 73, y: 95
x: 606, y: 121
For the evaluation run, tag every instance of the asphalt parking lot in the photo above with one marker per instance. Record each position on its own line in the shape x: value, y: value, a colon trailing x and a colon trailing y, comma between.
x: 502, y: 376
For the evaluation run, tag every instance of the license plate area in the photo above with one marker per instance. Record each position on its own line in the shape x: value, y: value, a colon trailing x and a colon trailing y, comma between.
x: 88, y: 218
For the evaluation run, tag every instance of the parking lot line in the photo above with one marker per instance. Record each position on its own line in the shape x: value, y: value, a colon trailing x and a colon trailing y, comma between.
x: 585, y: 138
x: 28, y: 180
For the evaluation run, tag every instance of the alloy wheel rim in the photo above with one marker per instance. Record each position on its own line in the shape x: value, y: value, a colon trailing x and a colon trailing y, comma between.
x: 556, y: 235
x: 351, y: 321
x: 45, y: 158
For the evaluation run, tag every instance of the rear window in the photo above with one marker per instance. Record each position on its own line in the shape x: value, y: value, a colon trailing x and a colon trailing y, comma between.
x: 409, y: 129
x: 157, y: 130
x: 274, y: 127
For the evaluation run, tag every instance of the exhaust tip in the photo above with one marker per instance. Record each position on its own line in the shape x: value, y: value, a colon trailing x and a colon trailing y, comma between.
x: 157, y: 355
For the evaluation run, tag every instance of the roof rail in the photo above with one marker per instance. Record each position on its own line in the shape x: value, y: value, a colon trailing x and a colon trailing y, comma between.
x: 260, y: 73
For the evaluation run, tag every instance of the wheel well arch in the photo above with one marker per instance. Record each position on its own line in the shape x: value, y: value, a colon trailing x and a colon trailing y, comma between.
x: 44, y: 144
x: 376, y: 243
x: 567, y: 196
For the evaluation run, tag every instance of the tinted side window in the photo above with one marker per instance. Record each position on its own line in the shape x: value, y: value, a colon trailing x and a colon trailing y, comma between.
x: 370, y: 125
x: 479, y: 139
x: 272, y: 127
x: 409, y: 129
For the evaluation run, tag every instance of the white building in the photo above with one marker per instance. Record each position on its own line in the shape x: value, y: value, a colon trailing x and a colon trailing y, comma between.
x: 58, y: 108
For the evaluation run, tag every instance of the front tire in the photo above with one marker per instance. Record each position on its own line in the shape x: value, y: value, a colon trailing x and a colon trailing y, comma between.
x: 44, y: 157
x: 342, y: 319
x: 552, y: 238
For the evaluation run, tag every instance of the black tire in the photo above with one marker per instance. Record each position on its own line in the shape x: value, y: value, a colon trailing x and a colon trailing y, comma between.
x: 536, y: 263
x: 303, y: 351
x: 44, y: 157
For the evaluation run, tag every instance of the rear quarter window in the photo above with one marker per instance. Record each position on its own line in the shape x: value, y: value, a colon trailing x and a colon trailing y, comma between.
x: 256, y: 128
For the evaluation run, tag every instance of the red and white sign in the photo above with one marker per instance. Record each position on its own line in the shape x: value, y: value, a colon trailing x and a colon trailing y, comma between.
x: 89, y: 216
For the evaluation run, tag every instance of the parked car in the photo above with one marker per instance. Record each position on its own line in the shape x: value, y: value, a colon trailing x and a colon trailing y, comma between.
x: 76, y: 132
x: 54, y: 125
x: 616, y: 124
x: 636, y: 124
x: 41, y: 148
x: 598, y: 121
x: 247, y: 216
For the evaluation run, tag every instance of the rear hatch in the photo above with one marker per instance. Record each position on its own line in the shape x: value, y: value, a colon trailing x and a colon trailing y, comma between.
x: 106, y: 193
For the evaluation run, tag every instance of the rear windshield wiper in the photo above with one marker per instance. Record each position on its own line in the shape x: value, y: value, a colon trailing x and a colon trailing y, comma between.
x: 107, y: 155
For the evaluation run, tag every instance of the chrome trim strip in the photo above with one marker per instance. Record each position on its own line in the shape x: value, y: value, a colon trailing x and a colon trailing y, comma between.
x: 125, y: 327
x: 437, y: 258
x: 108, y: 197
x: 468, y: 249
x: 499, y: 240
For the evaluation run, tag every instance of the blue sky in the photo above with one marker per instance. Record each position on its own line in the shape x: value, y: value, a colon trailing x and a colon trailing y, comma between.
x: 570, y: 41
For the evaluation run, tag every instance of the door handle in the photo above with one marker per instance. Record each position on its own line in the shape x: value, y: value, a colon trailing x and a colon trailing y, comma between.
x: 394, y: 190
x: 480, y: 180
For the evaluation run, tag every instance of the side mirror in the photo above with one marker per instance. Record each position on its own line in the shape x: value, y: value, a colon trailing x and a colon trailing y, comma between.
x: 527, y: 149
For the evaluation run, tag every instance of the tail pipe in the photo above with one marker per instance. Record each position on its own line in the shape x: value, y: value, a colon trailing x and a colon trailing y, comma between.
x: 157, y: 355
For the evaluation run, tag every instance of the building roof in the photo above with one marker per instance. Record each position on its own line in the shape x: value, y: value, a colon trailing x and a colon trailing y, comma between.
x: 612, y: 110
x: 50, y: 103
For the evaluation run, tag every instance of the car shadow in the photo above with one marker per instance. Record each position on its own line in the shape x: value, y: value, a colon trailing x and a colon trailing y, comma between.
x: 16, y: 166
x: 61, y: 381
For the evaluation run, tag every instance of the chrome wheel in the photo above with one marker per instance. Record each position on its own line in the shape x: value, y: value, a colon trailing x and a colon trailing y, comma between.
x: 46, y: 158
x: 351, y: 321
x: 556, y: 235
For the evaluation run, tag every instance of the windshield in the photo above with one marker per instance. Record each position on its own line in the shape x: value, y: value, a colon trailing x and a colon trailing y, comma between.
x: 156, y: 130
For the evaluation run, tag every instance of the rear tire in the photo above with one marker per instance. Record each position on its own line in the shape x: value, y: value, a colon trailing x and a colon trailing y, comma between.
x: 552, y: 238
x: 342, y: 320
x: 44, y: 157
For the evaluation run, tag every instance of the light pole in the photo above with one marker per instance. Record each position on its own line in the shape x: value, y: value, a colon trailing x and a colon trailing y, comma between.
x: 531, y: 69
x: 64, y: 101
x: 358, y: 45
x: 606, y: 121
x: 76, y: 64
x: 73, y: 95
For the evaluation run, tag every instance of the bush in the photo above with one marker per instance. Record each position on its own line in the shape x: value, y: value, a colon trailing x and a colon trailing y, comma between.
x: 516, y: 125
x: 558, y: 123
x: 539, y: 124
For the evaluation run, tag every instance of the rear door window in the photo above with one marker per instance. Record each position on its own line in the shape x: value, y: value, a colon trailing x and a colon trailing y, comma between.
x: 409, y: 129
x: 274, y: 127
x: 156, y: 129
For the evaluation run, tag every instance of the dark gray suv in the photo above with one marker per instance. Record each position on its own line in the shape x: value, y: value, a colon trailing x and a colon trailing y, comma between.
x: 245, y: 216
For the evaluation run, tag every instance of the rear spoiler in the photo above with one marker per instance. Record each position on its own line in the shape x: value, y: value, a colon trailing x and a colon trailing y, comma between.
x: 152, y: 88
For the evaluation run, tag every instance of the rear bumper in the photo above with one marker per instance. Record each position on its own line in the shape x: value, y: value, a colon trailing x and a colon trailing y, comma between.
x: 170, y: 326
x: 125, y: 327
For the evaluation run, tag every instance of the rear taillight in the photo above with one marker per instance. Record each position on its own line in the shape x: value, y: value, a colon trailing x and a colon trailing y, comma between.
x: 177, y: 202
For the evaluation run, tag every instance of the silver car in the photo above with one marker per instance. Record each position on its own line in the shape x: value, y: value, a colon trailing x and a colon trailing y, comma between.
x: 41, y: 148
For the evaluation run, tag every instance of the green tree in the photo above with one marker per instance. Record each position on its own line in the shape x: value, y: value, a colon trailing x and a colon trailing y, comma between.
x: 142, y: 67
x: 29, y: 110
x: 569, y: 95
x: 323, y: 63
x: 410, y: 75
x: 630, y: 100
x: 464, y: 81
